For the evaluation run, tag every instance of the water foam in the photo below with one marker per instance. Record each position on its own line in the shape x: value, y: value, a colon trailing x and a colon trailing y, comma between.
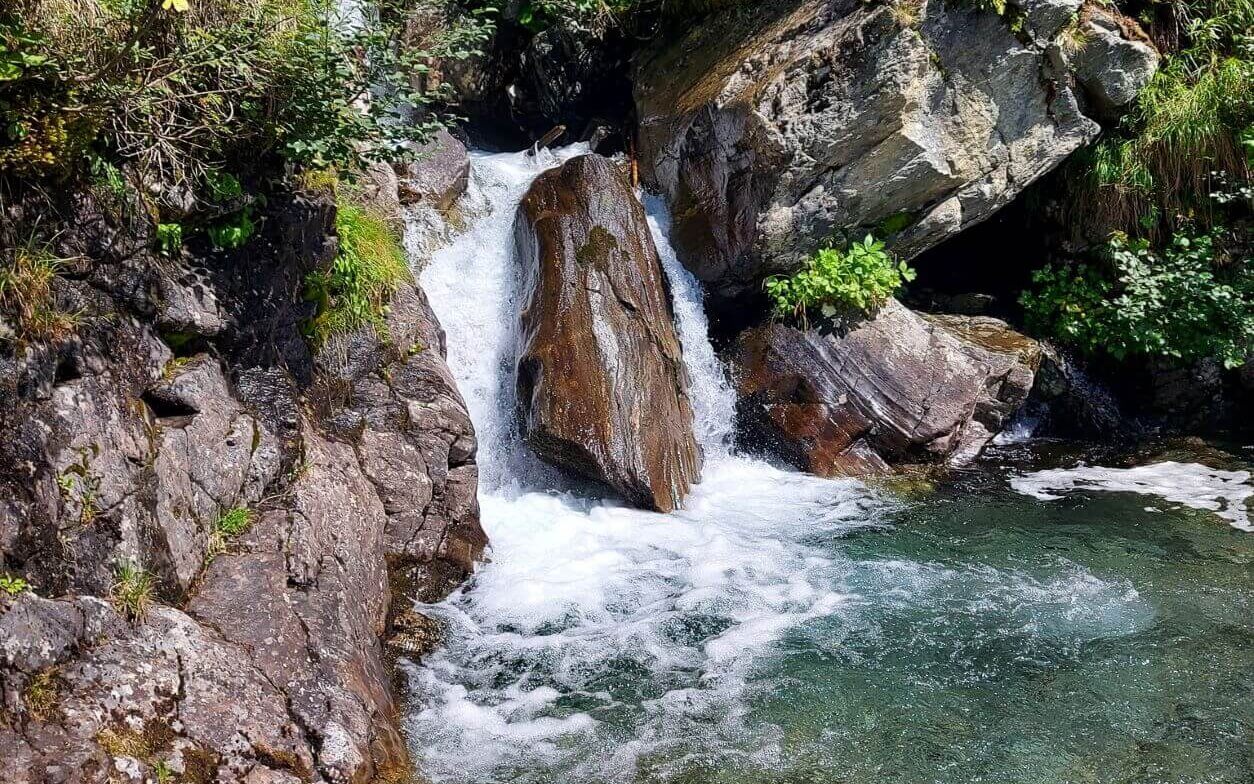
x: 1226, y: 493
x: 713, y: 398
x: 474, y: 286
x: 601, y: 642
x: 595, y: 621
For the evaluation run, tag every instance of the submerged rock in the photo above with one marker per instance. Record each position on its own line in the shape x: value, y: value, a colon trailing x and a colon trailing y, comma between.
x: 898, y: 388
x: 601, y: 383
x: 769, y: 129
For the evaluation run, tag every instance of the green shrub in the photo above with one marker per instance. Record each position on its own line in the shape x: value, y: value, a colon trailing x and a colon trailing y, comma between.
x: 13, y: 586
x: 1183, y: 137
x: 184, y: 91
x: 856, y: 280
x: 169, y: 238
x: 368, y: 269
x: 234, y: 522
x: 233, y: 232
x: 1178, y: 303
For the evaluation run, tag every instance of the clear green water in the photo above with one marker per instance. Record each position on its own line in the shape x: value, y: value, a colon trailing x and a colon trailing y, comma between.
x: 971, y: 634
x: 1133, y: 661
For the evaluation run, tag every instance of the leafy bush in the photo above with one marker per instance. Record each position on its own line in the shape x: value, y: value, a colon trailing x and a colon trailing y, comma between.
x: 368, y: 269
x: 184, y: 90
x: 834, y: 282
x: 169, y: 238
x: 234, y: 232
x: 229, y: 525
x: 1176, y: 304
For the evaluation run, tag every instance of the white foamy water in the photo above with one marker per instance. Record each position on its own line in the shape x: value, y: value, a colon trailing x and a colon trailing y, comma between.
x: 1226, y: 493
x: 601, y: 638
x: 713, y: 399
x: 594, y: 620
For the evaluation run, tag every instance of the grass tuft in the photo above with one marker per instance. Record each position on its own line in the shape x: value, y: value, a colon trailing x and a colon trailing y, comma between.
x: 368, y: 269
x: 132, y: 590
x: 229, y: 525
x: 42, y: 695
x: 26, y: 295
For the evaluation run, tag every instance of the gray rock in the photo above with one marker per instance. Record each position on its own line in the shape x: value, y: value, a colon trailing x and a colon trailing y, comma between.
x: 897, y: 388
x: 1114, y: 61
x: 308, y: 596
x: 439, y: 175
x: 417, y: 446
x: 212, y: 456
x: 186, y: 301
x: 1045, y: 19
x: 773, y: 129
x: 601, y: 382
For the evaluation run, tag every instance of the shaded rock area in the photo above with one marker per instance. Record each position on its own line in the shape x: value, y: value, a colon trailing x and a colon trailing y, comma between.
x: 439, y: 175
x: 898, y: 388
x: 772, y: 128
x: 188, y: 393
x: 601, y: 382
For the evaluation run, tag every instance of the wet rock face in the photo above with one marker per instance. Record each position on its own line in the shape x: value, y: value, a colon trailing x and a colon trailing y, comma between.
x: 769, y: 130
x: 898, y: 388
x: 601, y: 383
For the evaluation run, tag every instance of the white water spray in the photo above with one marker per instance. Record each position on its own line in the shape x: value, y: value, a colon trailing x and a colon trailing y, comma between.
x: 607, y: 644
x: 583, y: 596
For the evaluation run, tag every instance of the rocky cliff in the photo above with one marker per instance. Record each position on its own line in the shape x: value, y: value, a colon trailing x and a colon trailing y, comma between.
x: 772, y: 128
x: 227, y: 514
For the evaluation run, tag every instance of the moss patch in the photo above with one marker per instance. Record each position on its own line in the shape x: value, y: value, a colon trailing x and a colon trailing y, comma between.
x: 598, y: 248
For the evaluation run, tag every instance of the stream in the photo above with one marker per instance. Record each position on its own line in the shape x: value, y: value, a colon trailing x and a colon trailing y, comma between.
x: 1011, y: 625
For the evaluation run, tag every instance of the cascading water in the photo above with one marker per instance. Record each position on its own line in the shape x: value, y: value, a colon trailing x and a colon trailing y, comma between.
x: 583, y: 595
x: 754, y: 635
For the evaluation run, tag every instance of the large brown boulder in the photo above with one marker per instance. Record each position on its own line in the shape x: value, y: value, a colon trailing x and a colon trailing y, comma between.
x: 898, y: 388
x: 771, y: 127
x: 601, y: 380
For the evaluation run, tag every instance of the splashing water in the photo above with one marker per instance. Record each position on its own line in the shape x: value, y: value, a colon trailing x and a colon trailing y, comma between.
x: 778, y: 628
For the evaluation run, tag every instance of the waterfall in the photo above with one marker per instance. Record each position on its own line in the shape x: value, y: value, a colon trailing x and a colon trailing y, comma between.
x: 773, y: 628
x: 475, y: 288
x: 598, y: 632
x: 713, y: 399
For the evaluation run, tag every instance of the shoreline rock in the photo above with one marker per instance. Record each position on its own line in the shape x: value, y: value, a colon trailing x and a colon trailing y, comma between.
x: 898, y: 388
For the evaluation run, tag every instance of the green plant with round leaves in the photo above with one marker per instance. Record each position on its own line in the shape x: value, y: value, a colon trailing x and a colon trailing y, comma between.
x: 853, y: 281
x: 1178, y: 303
